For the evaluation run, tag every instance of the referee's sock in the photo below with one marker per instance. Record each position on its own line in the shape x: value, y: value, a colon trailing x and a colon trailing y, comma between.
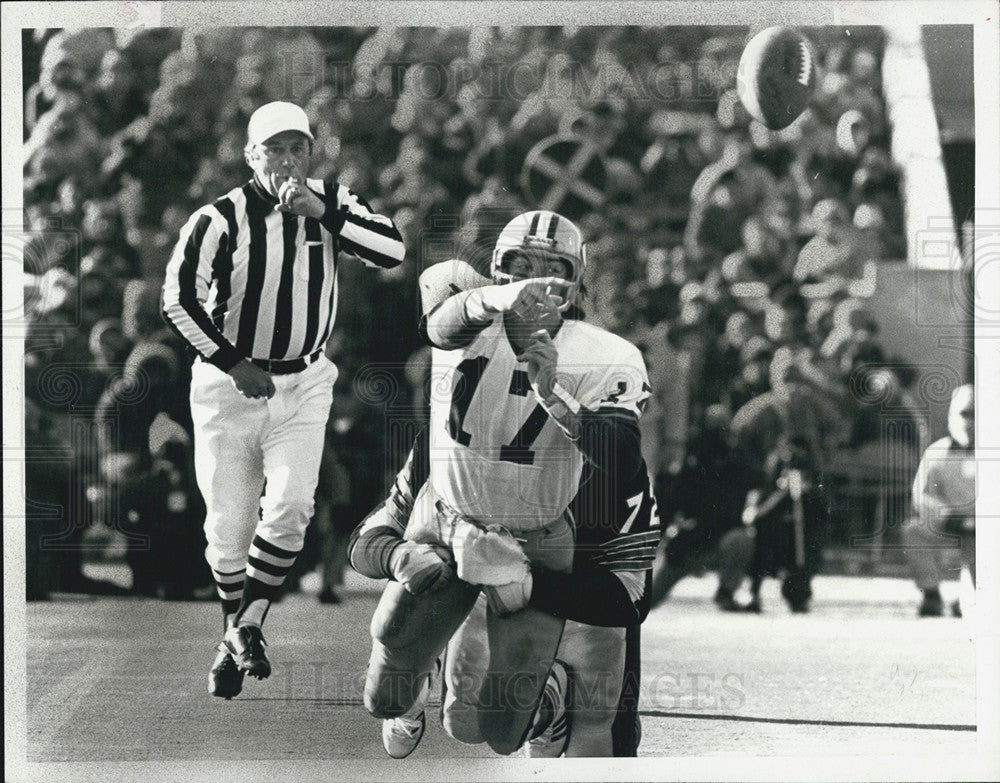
x: 267, y: 567
x: 229, y: 586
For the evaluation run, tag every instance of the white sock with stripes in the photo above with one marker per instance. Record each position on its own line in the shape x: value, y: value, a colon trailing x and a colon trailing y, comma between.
x: 550, y: 708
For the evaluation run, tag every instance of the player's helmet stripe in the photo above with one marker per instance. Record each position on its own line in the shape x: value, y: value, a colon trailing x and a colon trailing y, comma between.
x: 533, y: 229
x: 553, y: 224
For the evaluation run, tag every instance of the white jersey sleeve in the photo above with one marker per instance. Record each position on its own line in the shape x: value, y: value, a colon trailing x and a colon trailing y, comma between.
x: 448, y: 278
x: 601, y: 370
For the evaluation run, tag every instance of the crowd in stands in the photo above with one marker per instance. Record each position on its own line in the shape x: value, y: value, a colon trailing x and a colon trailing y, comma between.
x: 738, y: 259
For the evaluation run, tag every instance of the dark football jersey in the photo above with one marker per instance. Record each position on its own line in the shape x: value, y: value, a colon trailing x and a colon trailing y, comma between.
x: 617, y: 522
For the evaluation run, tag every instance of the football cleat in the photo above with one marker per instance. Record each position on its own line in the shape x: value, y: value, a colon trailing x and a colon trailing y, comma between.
x: 531, y: 243
x: 400, y: 736
x: 552, y: 742
x: 246, y: 644
x: 225, y: 678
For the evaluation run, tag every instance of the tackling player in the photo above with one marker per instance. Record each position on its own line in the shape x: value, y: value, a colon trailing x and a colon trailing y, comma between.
x: 612, y: 592
x: 617, y: 534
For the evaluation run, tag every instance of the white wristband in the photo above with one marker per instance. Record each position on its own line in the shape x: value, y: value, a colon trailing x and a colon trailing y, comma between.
x: 563, y: 409
x: 567, y: 399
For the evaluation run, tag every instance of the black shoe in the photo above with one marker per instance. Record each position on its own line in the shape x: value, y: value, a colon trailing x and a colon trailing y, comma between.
x: 246, y: 644
x: 329, y: 596
x: 956, y: 609
x: 754, y: 606
x: 931, y: 606
x: 225, y: 678
x: 726, y: 602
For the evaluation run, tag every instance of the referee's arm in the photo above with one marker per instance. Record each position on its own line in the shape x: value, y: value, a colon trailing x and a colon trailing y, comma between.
x: 186, y: 286
x: 361, y: 232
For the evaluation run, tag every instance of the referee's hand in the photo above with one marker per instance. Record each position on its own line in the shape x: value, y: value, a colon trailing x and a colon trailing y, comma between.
x: 252, y: 381
x: 294, y: 196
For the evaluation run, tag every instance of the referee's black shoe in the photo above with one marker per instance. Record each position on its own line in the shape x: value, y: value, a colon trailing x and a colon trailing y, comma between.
x: 246, y: 644
x: 225, y: 678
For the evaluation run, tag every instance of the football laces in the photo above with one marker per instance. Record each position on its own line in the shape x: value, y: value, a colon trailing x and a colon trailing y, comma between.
x: 806, y: 69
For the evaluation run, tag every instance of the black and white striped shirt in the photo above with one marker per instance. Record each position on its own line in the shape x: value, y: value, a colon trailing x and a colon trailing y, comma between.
x: 249, y: 281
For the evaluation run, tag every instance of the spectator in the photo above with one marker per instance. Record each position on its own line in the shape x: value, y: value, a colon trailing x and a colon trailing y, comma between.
x: 710, y: 491
x: 65, y: 70
x: 753, y: 378
x: 792, y: 411
x: 834, y: 258
x: 63, y: 144
x: 725, y: 194
x: 789, y: 514
x: 153, y: 485
x: 117, y: 94
x: 944, y: 506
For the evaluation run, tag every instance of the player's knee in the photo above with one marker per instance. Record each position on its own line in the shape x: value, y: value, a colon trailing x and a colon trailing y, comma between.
x: 461, y: 720
x: 390, y: 694
x: 501, y: 738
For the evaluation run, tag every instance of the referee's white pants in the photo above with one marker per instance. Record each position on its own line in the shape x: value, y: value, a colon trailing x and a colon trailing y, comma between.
x: 239, y: 443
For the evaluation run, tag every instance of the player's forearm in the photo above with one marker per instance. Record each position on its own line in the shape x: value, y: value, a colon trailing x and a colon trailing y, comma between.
x: 611, y: 442
x: 455, y: 322
x: 372, y: 543
x: 593, y: 597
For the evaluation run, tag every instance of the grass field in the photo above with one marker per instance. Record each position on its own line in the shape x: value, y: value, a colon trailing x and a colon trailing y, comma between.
x: 120, y: 684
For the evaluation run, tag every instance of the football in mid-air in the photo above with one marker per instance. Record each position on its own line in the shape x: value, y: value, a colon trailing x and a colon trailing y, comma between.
x: 776, y: 76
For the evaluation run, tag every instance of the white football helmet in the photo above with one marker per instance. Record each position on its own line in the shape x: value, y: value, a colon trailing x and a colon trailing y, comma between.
x: 540, y: 236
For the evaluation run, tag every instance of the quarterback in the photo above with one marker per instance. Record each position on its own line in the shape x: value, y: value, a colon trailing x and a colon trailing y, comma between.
x: 507, y: 449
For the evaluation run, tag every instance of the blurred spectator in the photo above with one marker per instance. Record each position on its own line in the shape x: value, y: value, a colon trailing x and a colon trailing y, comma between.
x: 794, y: 410
x: 835, y: 257
x: 146, y: 488
x: 753, y: 376
x: 64, y: 143
x: 763, y: 257
x: 104, y: 241
x: 851, y: 341
x: 117, y: 94
x: 725, y: 194
x: 708, y: 498
x: 789, y: 514
x: 69, y: 61
x: 944, y: 505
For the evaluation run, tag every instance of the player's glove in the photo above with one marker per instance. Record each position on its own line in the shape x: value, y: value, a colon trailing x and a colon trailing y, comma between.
x: 521, y: 296
x: 488, y: 557
x: 509, y: 598
x: 420, y: 568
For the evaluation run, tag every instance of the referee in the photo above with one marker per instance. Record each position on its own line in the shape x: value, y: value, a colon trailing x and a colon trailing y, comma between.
x: 252, y: 287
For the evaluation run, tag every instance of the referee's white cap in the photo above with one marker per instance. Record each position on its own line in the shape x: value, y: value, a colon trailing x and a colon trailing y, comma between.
x: 275, y: 117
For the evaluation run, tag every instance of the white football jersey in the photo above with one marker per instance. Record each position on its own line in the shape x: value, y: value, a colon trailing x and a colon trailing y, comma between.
x: 495, y: 455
